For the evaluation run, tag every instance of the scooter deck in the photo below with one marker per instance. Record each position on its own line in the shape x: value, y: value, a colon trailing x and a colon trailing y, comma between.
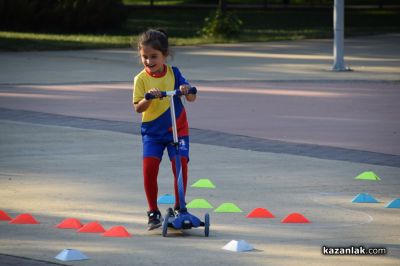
x: 184, y: 220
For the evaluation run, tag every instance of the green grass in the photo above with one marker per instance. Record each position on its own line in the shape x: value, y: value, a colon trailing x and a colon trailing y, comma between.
x: 21, y: 41
x: 183, y: 27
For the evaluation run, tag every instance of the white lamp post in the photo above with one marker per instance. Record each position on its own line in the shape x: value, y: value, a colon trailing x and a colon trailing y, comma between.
x: 338, y: 44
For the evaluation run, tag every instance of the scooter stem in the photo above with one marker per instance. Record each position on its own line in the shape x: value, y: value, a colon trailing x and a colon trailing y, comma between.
x: 178, y: 166
x: 173, y: 119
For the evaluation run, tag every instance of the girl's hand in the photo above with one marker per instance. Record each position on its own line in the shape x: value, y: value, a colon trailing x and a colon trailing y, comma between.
x: 184, y: 89
x: 156, y: 92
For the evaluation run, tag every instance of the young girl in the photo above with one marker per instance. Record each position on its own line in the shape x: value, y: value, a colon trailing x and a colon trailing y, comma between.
x: 156, y: 119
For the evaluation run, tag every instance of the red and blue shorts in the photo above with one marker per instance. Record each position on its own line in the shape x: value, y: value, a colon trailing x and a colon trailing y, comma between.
x: 155, y: 147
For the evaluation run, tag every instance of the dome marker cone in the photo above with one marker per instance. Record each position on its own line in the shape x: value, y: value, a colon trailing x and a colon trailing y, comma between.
x: 70, y: 223
x: 368, y: 175
x: 24, y: 218
x: 260, y: 213
x: 364, y: 198
x: 394, y: 203
x: 4, y: 216
x: 295, y: 218
x: 238, y: 246
x: 117, y: 231
x: 71, y: 255
x: 199, y: 204
x: 166, y: 199
x: 203, y: 183
x: 92, y: 227
x: 228, y: 207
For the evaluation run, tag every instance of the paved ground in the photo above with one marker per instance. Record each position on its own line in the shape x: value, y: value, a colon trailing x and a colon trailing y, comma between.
x: 372, y: 58
x: 272, y: 128
x: 286, y: 89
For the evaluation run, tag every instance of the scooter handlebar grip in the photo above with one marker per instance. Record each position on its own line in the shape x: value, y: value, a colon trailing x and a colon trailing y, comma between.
x: 149, y: 96
x: 192, y: 90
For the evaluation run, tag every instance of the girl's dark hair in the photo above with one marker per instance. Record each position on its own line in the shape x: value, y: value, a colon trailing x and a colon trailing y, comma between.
x: 155, y: 38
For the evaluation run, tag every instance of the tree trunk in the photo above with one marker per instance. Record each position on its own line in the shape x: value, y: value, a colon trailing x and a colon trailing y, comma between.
x: 265, y: 4
x: 286, y: 3
x: 222, y: 6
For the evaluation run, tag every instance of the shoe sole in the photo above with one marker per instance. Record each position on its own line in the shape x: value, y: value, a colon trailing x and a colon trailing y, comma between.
x: 154, y: 226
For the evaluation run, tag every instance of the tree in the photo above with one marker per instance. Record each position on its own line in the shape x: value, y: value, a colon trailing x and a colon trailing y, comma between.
x: 222, y: 23
x: 61, y: 15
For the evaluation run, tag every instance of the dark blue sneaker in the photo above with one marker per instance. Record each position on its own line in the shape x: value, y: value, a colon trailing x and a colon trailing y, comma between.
x: 177, y: 210
x: 155, y: 220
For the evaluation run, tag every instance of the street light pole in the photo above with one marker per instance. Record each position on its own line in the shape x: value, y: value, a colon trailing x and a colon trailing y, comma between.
x: 338, y: 44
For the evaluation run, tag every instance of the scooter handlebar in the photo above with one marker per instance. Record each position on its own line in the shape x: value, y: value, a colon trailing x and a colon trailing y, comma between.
x: 149, y: 96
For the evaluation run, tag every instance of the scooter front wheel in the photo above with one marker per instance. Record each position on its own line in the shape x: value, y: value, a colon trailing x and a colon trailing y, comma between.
x: 166, y: 222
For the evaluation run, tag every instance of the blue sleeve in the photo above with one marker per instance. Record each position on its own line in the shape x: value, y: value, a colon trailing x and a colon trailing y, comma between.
x: 179, y: 79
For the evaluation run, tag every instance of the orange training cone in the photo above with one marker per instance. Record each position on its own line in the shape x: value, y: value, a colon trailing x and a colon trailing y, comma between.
x: 92, y: 227
x: 260, y: 213
x: 4, y: 216
x: 295, y: 218
x: 117, y: 231
x: 24, y: 218
x: 70, y: 223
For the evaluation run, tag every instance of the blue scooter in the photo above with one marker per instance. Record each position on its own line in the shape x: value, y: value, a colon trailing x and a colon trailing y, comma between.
x: 182, y: 219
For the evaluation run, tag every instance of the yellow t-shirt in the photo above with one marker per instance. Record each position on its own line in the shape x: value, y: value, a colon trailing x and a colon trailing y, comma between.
x: 143, y: 82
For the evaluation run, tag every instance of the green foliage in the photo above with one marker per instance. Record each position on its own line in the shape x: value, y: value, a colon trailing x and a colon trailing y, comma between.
x: 222, y: 25
x: 61, y: 15
x: 258, y: 25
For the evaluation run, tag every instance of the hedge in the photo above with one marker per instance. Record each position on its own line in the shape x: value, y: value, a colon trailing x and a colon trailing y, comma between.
x: 61, y: 15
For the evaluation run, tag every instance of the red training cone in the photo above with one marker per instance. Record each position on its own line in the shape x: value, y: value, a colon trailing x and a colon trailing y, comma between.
x: 24, y: 218
x: 117, y: 231
x: 4, y: 216
x: 92, y: 227
x: 70, y: 223
x: 295, y: 218
x: 260, y: 213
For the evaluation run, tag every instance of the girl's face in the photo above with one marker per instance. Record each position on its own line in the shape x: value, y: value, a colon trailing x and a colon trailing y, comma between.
x: 152, y: 59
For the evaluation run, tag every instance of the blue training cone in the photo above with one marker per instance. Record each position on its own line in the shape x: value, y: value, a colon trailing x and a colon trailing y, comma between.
x: 70, y: 255
x: 166, y: 199
x: 364, y: 198
x: 394, y: 203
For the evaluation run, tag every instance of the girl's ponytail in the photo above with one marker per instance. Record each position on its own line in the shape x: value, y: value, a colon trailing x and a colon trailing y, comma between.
x: 163, y: 32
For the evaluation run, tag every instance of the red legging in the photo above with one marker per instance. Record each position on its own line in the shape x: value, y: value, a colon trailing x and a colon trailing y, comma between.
x: 151, y: 166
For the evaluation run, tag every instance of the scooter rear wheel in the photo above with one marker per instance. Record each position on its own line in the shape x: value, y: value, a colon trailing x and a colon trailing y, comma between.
x: 166, y: 222
x: 206, y: 225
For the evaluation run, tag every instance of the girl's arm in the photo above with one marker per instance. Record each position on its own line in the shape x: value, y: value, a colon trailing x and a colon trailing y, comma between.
x: 143, y: 104
x: 185, y: 85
